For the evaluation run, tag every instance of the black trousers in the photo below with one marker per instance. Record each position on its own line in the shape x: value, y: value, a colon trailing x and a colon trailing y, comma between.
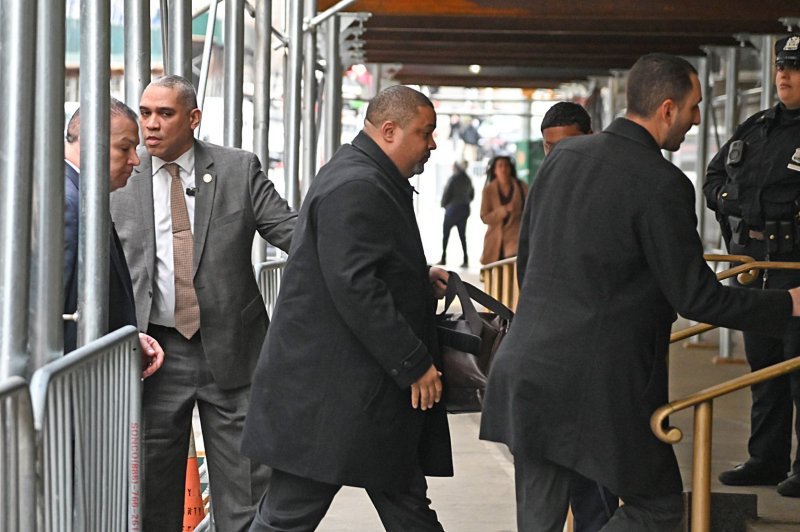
x: 455, y: 215
x: 297, y: 504
x: 545, y: 490
x: 775, y: 402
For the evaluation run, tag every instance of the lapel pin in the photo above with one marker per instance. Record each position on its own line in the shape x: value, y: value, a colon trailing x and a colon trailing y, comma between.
x: 207, y: 178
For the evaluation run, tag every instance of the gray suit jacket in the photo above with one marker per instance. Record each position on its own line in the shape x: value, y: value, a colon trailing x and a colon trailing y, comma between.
x: 230, y: 207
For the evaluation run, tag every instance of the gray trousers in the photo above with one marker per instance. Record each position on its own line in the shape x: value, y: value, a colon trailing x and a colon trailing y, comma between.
x: 168, y: 400
x: 543, y: 492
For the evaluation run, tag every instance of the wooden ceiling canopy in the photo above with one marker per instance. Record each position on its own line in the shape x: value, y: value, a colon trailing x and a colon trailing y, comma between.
x: 536, y: 43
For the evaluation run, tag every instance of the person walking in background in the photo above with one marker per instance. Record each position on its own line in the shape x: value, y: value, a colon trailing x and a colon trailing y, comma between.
x: 502, y: 203
x: 457, y: 195
x: 187, y: 221
x: 753, y: 184
x: 609, y: 253
x: 123, y: 140
x: 347, y: 389
x: 562, y: 120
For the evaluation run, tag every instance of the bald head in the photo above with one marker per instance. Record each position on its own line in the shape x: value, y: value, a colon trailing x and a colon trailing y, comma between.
x: 398, y: 104
x: 401, y: 121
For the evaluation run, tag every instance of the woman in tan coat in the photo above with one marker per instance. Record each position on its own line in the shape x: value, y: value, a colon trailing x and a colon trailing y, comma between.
x: 501, y: 209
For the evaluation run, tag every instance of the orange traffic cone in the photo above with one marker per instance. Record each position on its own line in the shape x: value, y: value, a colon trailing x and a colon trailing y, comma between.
x: 193, y: 504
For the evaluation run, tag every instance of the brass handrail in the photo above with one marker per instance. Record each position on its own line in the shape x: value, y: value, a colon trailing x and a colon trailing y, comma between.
x: 744, y: 277
x: 703, y: 403
x: 500, y: 281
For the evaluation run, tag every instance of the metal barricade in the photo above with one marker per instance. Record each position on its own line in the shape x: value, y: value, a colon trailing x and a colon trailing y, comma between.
x: 268, y: 275
x: 87, y: 411
x: 17, y: 458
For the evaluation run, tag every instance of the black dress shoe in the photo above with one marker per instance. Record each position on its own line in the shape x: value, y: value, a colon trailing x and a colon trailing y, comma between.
x: 790, y: 487
x: 747, y: 474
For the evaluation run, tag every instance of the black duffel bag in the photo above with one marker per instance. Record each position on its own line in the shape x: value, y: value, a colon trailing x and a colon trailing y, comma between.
x: 468, y: 343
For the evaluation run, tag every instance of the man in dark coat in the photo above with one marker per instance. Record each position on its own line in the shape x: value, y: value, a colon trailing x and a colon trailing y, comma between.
x: 124, y: 137
x: 608, y: 253
x: 347, y: 391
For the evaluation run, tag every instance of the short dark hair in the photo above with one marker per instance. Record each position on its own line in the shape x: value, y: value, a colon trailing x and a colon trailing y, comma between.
x: 567, y: 114
x: 115, y: 108
x: 655, y: 78
x: 184, y: 87
x: 397, y: 103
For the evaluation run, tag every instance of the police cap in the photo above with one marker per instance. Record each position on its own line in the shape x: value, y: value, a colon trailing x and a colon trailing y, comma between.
x: 787, y: 51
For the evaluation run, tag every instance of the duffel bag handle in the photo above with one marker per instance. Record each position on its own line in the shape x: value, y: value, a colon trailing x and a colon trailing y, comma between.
x: 466, y: 293
x: 456, y: 288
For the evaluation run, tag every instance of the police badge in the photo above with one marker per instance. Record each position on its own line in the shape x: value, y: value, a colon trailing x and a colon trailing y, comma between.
x: 795, y: 159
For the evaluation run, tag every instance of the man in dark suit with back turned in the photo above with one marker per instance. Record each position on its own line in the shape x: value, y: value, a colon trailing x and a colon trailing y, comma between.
x: 187, y: 221
x: 347, y: 391
x: 609, y: 252
x: 123, y: 139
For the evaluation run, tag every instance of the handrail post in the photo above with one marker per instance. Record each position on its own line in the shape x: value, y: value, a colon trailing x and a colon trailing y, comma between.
x: 701, y: 468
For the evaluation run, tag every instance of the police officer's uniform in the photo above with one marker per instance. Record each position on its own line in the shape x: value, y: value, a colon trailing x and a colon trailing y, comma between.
x: 753, y: 184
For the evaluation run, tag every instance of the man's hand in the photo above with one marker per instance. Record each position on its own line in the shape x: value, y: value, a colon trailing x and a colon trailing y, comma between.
x: 427, y: 390
x: 438, y: 278
x: 152, y: 354
x: 795, y: 293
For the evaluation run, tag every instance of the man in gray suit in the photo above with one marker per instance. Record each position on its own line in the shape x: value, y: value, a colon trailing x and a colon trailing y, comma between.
x: 186, y: 221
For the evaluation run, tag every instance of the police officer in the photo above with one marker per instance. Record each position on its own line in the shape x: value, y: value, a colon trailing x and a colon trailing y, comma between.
x: 753, y: 184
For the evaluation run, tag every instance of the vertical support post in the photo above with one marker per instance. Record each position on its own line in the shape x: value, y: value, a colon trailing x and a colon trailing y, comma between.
x: 263, y: 72
x: 701, y: 468
x: 179, y: 39
x: 137, y: 50
x: 767, y: 74
x: 731, y: 90
x: 164, y: 31
x: 234, y: 72
x: 208, y: 46
x: 261, y: 102
x: 702, y: 144
x: 47, y: 273
x: 93, y: 233
x: 333, y: 90
x: 293, y: 75
x: 18, y: 21
x: 309, y: 97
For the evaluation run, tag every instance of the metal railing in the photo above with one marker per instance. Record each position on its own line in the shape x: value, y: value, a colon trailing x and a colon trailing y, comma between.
x: 87, y: 411
x: 500, y: 281
x: 703, y: 401
x: 268, y: 276
x: 17, y: 458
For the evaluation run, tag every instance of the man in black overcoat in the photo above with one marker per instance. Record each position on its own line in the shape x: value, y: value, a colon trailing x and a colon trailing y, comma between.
x: 346, y: 391
x: 609, y: 253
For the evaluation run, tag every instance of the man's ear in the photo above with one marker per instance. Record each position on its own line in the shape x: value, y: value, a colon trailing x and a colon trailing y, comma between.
x: 668, y: 111
x: 194, y: 118
x: 388, y: 130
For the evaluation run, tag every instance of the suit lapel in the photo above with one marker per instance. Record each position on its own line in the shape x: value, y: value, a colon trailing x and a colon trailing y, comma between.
x: 205, y: 178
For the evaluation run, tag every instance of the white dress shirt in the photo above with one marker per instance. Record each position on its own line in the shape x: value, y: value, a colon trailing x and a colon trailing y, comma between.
x: 163, y: 309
